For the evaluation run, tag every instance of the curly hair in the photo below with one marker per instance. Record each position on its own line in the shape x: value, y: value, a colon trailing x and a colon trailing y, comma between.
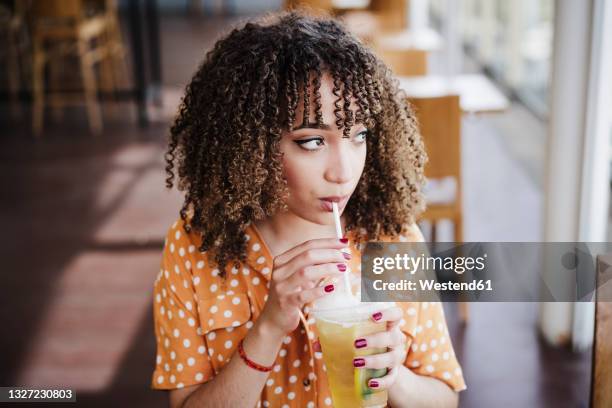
x: 224, y: 142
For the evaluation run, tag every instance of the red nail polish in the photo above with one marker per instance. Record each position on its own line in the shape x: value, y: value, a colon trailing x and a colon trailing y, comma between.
x: 374, y: 384
x: 346, y: 255
x: 377, y: 316
x: 341, y: 267
x: 358, y: 362
x: 344, y: 240
x: 329, y: 288
x: 361, y: 343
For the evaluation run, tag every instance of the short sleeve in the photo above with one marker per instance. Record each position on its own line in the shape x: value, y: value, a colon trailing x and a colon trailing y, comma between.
x: 182, y: 358
x: 431, y: 351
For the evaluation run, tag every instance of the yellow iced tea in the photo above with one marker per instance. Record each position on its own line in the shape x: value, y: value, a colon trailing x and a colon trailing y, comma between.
x: 337, y: 334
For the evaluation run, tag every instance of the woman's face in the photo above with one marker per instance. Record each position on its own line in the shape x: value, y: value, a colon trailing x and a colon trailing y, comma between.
x: 321, y: 166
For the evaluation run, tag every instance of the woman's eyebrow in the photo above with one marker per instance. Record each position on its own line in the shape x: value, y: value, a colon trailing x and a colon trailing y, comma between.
x: 313, y: 125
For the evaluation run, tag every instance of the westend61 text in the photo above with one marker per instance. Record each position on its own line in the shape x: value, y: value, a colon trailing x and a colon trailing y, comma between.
x: 431, y: 284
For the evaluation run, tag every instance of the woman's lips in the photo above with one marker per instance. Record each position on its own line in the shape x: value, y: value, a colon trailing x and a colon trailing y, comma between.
x: 326, y: 203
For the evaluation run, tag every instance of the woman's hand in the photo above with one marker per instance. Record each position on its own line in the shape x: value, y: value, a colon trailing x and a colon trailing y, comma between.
x: 295, y: 280
x: 393, y: 339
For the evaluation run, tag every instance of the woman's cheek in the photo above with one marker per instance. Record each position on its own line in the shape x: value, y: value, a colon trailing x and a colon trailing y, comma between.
x: 295, y: 173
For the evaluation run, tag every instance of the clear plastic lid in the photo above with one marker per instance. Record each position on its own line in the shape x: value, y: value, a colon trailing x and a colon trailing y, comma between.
x: 352, y: 310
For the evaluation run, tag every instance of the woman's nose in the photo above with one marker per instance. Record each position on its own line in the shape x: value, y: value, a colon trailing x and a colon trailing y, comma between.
x: 339, y: 167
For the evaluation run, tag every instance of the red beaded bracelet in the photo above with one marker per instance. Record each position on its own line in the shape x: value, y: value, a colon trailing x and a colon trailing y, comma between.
x: 251, y: 363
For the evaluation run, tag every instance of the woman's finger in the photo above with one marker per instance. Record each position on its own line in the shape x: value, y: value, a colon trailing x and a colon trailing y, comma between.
x: 388, y: 315
x: 315, y: 273
x: 285, y: 287
x: 384, y: 382
x: 390, y: 338
x: 301, y: 297
x: 329, y: 243
x: 308, y: 258
x: 391, y: 358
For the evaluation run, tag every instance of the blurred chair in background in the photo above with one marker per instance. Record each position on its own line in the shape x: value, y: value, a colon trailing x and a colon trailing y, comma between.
x: 64, y: 28
x: 440, y: 125
x: 14, y: 50
x: 385, y: 27
x: 114, y: 69
x: 405, y: 49
x: 392, y: 15
x: 404, y: 62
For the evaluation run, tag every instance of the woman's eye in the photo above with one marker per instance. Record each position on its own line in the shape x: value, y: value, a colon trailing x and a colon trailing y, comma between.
x: 310, y: 144
x: 361, y: 136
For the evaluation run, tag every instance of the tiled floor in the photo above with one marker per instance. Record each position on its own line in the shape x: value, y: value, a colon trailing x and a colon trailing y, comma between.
x: 83, y: 223
x: 84, y: 220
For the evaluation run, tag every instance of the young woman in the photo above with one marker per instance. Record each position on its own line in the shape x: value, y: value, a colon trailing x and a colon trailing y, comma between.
x: 286, y: 115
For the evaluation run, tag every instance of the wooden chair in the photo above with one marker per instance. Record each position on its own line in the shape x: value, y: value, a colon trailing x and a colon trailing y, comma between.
x: 404, y: 62
x: 440, y: 124
x: 13, y: 50
x: 391, y: 14
x: 61, y: 28
x: 113, y: 68
x: 405, y: 49
x: 601, y: 384
x: 394, y: 42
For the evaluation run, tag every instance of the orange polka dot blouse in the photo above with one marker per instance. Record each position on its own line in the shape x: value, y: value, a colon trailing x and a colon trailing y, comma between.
x: 200, y: 318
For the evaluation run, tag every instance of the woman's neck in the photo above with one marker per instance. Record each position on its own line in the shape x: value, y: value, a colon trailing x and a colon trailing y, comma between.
x: 284, y: 231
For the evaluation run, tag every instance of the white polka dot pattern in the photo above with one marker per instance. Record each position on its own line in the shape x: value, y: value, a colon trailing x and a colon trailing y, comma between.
x: 430, y: 352
x: 200, y: 317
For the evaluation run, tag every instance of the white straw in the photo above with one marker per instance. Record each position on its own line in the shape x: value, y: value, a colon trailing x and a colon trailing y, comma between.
x: 339, y: 234
x: 337, y: 219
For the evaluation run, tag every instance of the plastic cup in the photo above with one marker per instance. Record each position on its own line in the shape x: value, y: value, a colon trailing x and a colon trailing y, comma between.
x: 338, y: 329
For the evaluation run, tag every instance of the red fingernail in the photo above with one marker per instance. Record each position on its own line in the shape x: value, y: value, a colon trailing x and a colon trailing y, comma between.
x: 346, y: 255
x: 341, y: 267
x: 344, y: 240
x: 358, y: 362
x: 374, y: 384
x: 377, y: 316
x: 329, y: 288
x: 361, y: 343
